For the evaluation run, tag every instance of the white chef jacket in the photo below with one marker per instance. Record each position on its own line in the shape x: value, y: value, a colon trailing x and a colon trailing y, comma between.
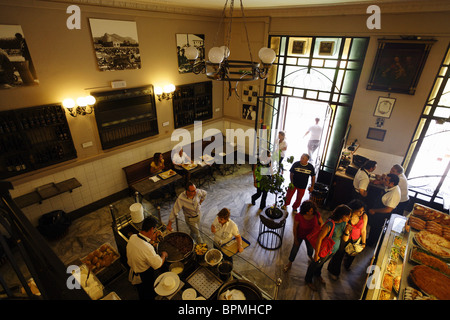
x: 403, y: 184
x: 361, y: 180
x: 392, y: 197
x: 141, y: 255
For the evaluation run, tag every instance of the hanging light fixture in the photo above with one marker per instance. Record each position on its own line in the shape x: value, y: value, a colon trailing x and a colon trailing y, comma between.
x: 219, y: 67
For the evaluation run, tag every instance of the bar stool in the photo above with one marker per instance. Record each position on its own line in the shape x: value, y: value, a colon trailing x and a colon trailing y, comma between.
x: 271, y: 230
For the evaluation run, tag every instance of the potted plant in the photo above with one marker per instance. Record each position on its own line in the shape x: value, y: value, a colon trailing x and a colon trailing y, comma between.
x: 274, y: 184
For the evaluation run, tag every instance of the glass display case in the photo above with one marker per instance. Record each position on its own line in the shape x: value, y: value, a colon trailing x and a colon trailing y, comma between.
x: 400, y: 254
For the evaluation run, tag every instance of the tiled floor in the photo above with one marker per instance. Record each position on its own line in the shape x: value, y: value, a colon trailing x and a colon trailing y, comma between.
x: 234, y: 192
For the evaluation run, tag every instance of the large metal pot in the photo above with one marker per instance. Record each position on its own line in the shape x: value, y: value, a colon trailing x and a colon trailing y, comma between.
x: 250, y: 291
x: 178, y: 245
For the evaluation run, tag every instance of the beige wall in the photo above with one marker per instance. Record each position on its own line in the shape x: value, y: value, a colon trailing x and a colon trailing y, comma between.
x: 66, y: 64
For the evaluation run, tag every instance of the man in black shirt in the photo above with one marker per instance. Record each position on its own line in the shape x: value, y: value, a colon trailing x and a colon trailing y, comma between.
x: 300, y: 173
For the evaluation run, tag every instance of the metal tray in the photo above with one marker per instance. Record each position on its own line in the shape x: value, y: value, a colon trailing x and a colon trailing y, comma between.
x: 204, y: 281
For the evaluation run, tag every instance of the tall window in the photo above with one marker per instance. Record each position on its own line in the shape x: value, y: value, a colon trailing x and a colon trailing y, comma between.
x: 318, y: 69
x: 427, y: 161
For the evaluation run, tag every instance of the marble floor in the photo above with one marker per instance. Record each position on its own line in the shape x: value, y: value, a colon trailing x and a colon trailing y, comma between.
x: 232, y: 191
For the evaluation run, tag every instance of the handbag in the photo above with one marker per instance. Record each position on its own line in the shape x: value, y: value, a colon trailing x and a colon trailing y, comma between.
x: 352, y: 249
x: 327, y: 243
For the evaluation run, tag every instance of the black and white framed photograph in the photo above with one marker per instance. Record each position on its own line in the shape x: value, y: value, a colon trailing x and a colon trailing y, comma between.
x: 384, y: 107
x: 16, y: 66
x: 192, y: 40
x: 248, y: 112
x: 116, y: 44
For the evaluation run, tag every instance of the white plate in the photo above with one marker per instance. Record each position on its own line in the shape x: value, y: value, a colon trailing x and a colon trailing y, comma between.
x: 189, y: 294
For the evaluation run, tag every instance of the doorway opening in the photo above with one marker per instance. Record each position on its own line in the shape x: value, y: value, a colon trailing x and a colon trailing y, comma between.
x: 300, y: 115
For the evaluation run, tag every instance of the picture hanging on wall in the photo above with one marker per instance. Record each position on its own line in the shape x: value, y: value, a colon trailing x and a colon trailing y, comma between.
x: 193, y: 40
x: 250, y: 94
x: 116, y: 44
x: 384, y: 107
x: 398, y: 65
x: 16, y: 66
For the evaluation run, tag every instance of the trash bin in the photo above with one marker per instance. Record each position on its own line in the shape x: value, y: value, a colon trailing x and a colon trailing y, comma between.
x: 319, y: 194
x: 54, y: 225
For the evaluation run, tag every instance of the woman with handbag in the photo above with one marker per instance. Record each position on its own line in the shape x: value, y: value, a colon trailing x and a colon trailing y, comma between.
x: 326, y: 242
x: 307, y: 220
x: 355, y: 243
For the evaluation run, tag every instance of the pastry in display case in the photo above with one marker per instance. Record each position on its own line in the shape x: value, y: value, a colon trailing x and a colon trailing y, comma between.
x: 413, y: 257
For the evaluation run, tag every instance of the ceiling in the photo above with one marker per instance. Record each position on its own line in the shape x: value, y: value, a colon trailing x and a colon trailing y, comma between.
x: 260, y: 4
x: 254, y: 4
x: 270, y: 7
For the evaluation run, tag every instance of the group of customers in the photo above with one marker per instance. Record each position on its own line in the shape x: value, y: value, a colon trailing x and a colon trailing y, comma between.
x: 350, y: 226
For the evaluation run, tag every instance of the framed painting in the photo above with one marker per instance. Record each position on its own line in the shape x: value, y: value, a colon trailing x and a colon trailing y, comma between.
x: 376, y: 134
x: 398, y: 65
x: 116, y: 44
x: 192, y: 40
x: 384, y: 107
x: 16, y: 66
x: 326, y: 48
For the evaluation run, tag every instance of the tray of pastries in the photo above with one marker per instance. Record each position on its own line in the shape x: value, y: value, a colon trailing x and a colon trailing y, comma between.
x: 433, y: 243
x: 431, y: 282
x: 419, y: 256
x: 100, y: 258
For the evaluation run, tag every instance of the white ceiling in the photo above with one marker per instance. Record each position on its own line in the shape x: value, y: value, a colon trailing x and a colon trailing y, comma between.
x: 261, y: 4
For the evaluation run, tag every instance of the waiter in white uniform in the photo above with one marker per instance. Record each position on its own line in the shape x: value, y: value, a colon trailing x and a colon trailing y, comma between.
x: 143, y: 259
x: 389, y: 202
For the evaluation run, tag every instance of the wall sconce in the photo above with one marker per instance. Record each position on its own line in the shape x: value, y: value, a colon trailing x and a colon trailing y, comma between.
x: 82, y: 106
x: 166, y: 92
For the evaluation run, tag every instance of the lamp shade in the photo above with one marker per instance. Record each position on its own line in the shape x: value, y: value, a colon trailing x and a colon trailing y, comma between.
x: 226, y: 51
x: 68, y: 103
x: 158, y: 90
x: 267, y: 55
x: 215, y: 55
x: 191, y: 53
x: 90, y: 100
x: 81, y: 101
x: 169, y: 88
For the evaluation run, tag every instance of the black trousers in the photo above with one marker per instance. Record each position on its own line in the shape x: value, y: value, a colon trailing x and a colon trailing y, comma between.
x: 258, y: 194
x: 146, y: 291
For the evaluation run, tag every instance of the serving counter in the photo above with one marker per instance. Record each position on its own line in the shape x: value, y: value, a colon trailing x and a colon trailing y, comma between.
x: 395, y: 260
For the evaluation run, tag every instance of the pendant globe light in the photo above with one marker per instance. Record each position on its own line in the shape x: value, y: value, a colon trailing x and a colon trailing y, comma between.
x: 219, y: 67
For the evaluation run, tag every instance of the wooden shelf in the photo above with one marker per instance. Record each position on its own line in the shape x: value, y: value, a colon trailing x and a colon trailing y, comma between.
x: 46, y: 191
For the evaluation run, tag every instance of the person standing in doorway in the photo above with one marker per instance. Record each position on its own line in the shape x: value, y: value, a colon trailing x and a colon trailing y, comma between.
x: 300, y: 173
x: 280, y: 148
x: 314, y: 138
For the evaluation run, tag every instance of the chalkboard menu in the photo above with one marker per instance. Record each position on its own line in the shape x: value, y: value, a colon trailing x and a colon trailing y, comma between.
x: 34, y: 138
x: 192, y: 102
x: 125, y: 115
